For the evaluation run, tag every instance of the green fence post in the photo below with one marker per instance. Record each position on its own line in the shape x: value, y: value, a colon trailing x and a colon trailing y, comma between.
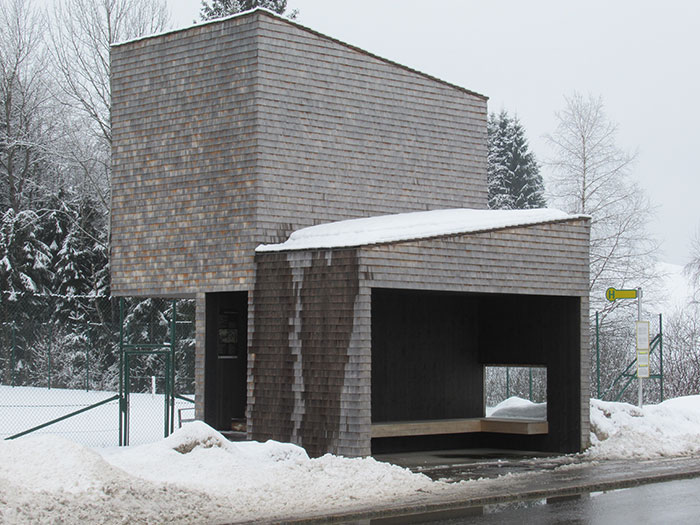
x: 13, y: 355
x: 121, y: 371
x: 87, y: 360
x: 173, y: 344
x: 50, y: 345
x: 530, y: 369
x: 507, y: 382
x: 125, y: 403
x: 597, y: 352
x: 165, y: 395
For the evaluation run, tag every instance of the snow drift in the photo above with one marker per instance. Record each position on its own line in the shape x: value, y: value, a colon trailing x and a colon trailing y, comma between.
x: 621, y: 430
x: 193, y: 476
x: 197, y: 476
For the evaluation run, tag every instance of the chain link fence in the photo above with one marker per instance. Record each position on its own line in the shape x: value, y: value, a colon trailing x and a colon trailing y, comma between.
x: 60, y: 355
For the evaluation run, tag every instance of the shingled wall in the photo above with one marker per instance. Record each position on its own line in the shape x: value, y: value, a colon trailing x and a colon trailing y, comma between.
x: 184, y: 154
x: 344, y: 134
x: 309, y: 360
x: 540, y: 260
x: 237, y: 132
x: 313, y: 318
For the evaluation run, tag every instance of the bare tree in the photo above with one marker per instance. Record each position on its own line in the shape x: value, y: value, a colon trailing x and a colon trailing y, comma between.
x: 82, y: 32
x: 26, y: 131
x: 682, y: 352
x: 591, y: 175
x: 692, y: 269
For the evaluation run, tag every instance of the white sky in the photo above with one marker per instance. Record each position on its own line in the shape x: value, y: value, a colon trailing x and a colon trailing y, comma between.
x: 642, y: 57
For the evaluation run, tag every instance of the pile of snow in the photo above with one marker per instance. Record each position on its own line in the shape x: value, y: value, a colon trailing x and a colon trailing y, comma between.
x: 518, y: 408
x: 193, y: 476
x: 621, y: 430
x: 410, y: 226
x: 197, y: 476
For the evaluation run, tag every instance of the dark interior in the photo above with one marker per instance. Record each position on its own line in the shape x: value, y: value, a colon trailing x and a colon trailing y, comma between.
x: 226, y: 360
x: 429, y: 350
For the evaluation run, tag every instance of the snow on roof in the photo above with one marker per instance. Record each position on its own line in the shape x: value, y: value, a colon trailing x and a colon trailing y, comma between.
x: 412, y: 226
x: 195, y: 24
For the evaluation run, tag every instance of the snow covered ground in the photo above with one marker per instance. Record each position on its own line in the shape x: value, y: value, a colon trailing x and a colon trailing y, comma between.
x: 197, y: 476
x: 194, y: 476
x: 518, y: 408
x: 620, y: 430
x: 24, y: 407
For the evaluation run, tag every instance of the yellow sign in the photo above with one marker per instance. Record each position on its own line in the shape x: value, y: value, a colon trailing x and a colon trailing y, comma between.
x: 611, y: 294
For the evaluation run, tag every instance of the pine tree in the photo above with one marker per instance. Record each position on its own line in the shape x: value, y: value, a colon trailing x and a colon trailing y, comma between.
x: 24, y: 274
x: 79, y: 263
x: 513, y: 175
x: 81, y: 254
x: 220, y: 8
x: 24, y: 258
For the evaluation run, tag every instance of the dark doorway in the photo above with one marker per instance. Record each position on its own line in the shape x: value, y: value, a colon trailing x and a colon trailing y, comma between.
x: 226, y: 360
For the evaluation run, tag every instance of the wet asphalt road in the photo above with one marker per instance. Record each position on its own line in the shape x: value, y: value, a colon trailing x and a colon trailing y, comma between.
x: 664, y: 503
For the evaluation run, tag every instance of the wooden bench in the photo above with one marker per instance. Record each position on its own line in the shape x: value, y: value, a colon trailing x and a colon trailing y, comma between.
x: 459, y: 426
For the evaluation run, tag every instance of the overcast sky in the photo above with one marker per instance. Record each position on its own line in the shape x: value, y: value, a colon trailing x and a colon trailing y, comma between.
x: 642, y: 57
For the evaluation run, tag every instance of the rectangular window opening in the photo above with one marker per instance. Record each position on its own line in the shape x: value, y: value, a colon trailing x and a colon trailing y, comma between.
x: 515, y: 392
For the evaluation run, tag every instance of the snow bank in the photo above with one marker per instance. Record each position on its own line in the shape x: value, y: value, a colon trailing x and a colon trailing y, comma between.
x: 62, y: 465
x: 409, y: 226
x: 275, y: 476
x: 193, y: 476
x: 48, y: 479
x: 621, y: 430
x: 518, y: 408
x: 197, y: 476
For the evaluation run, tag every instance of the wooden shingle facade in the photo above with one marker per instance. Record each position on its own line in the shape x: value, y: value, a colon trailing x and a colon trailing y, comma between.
x: 236, y: 133
x: 515, y: 296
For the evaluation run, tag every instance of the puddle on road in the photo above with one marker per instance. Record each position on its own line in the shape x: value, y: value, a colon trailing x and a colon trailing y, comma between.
x: 468, y: 514
x: 490, y: 469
